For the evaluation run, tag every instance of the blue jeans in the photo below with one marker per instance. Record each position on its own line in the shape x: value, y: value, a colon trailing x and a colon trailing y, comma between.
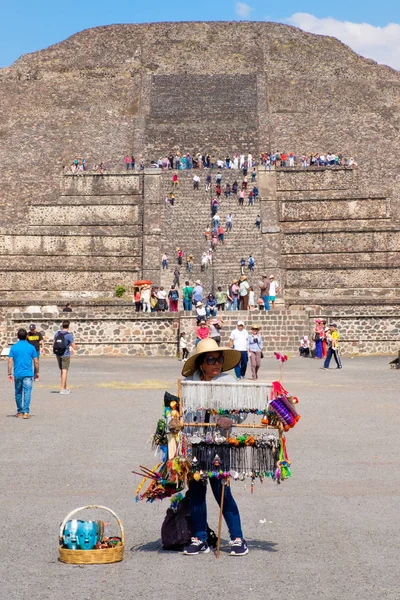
x: 234, y: 303
x: 187, y: 305
x: 23, y: 385
x: 198, y: 508
x: 240, y: 369
x: 332, y: 352
x: 211, y: 312
x: 266, y: 302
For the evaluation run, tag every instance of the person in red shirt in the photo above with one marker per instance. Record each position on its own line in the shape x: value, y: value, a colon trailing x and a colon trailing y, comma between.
x: 220, y: 232
x: 175, y: 180
x: 203, y: 332
x: 138, y: 300
x: 283, y: 159
x: 218, y: 190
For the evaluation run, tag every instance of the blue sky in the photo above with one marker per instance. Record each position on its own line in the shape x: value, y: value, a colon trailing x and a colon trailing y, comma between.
x: 365, y: 25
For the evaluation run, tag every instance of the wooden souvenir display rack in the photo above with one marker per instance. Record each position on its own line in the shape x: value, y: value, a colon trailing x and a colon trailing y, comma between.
x: 232, y: 394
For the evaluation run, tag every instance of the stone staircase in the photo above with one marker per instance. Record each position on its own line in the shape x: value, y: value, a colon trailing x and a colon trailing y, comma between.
x: 184, y: 224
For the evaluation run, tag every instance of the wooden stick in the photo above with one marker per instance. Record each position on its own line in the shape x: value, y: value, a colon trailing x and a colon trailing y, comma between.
x: 221, y: 508
x: 248, y: 426
x: 180, y: 396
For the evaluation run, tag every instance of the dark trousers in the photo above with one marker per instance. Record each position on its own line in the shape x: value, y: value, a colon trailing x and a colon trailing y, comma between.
x: 240, y: 369
x: 332, y: 352
x: 198, y: 508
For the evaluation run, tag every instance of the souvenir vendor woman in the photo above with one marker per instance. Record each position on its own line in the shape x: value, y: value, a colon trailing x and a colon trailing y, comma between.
x: 211, y: 363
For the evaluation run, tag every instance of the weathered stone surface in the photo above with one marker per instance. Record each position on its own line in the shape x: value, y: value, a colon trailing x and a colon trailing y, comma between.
x: 152, y: 89
x: 123, y: 332
x: 334, y: 209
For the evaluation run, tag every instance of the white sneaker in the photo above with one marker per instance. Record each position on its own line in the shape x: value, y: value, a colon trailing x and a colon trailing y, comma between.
x: 64, y: 392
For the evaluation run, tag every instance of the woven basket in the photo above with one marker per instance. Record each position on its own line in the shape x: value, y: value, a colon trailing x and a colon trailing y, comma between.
x: 91, y: 557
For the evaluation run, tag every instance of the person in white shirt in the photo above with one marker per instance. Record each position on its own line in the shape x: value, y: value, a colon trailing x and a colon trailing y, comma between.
x: 145, y: 298
x: 196, y: 181
x: 200, y: 312
x: 238, y: 340
x: 273, y: 289
x: 162, y: 299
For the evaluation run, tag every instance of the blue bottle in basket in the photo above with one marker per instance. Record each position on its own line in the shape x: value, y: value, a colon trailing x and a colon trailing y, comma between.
x: 70, y: 539
x: 87, y: 535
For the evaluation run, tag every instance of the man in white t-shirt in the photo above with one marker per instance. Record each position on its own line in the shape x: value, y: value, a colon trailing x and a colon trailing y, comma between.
x: 238, y: 340
x: 273, y: 289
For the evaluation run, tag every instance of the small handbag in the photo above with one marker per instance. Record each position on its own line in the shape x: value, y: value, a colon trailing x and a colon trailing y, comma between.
x: 262, y: 353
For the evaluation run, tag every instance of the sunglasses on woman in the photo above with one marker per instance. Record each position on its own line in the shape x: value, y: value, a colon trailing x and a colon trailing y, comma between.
x: 212, y: 360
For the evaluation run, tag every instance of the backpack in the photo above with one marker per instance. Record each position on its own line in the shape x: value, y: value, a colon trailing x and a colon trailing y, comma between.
x: 177, y: 531
x: 60, y: 345
x: 174, y: 295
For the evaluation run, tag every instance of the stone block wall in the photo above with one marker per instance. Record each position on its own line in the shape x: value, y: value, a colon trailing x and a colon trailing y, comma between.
x: 338, y: 244
x: 364, y: 330
x: 182, y: 105
x: 87, y: 240
x: 112, y: 331
x: 100, y: 334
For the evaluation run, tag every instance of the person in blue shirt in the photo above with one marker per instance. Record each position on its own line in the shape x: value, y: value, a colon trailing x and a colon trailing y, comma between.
x: 64, y: 359
x: 21, y: 359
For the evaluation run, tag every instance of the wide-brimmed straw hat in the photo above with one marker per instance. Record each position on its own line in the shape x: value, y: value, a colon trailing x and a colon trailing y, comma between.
x: 255, y: 326
x: 231, y: 357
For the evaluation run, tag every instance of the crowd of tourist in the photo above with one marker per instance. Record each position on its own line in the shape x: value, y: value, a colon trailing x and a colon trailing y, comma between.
x: 238, y: 295
x: 282, y: 159
x: 186, y: 161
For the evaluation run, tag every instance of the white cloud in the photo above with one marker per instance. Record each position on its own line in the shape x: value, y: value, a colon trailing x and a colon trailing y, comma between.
x: 243, y: 10
x: 379, y: 43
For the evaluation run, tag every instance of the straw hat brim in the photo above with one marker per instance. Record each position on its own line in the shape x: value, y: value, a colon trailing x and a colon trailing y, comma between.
x: 231, y: 357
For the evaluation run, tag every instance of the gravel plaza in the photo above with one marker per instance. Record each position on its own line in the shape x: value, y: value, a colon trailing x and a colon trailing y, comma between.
x: 329, y: 532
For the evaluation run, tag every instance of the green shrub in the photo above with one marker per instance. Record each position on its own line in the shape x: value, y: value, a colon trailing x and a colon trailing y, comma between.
x: 120, y: 291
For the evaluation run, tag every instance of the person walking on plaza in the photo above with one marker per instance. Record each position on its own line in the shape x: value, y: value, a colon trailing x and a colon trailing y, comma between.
x: 255, y: 350
x: 332, y: 338
x: 63, y: 341
x: 20, y: 360
x: 35, y: 338
x: 264, y: 290
x: 238, y: 340
x: 183, y: 346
